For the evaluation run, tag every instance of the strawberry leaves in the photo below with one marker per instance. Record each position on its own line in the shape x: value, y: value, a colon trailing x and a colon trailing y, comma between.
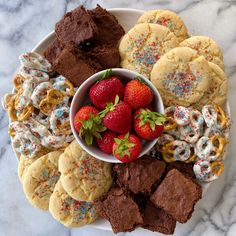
x: 106, y: 74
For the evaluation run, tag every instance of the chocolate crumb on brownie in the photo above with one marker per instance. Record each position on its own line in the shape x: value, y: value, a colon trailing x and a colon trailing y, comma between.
x: 177, y: 195
x: 140, y: 175
x: 76, y: 27
x: 110, y: 31
x: 120, y: 210
x: 156, y: 219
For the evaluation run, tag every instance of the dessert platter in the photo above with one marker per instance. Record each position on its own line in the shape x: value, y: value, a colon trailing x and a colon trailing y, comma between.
x: 119, y: 119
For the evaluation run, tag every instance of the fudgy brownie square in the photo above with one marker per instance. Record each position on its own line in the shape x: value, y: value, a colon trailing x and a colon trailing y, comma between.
x: 110, y: 31
x: 75, y: 67
x: 120, y: 209
x: 76, y: 27
x: 156, y: 219
x: 140, y: 175
x: 184, y: 168
x: 177, y: 195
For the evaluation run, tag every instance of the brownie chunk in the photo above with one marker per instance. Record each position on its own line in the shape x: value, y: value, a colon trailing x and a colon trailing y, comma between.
x: 120, y: 209
x: 184, y: 168
x: 53, y: 51
x: 140, y: 175
x: 76, y: 27
x: 75, y: 67
x: 110, y: 31
x: 155, y: 219
x: 177, y: 195
x: 107, y: 57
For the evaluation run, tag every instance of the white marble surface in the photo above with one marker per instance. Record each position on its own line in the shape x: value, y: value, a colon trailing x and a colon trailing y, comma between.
x: 23, y: 23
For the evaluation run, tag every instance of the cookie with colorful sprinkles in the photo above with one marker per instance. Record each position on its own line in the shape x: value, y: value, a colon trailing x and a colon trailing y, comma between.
x: 40, y: 179
x: 181, y: 76
x: 84, y: 177
x: 168, y: 19
x: 68, y: 211
x: 206, y: 47
x: 144, y: 45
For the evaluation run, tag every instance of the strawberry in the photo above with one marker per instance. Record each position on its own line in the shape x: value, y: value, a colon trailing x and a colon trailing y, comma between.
x: 127, y: 147
x: 117, y: 117
x: 137, y: 94
x: 148, y: 124
x: 105, y: 90
x: 106, y: 142
x: 88, y: 124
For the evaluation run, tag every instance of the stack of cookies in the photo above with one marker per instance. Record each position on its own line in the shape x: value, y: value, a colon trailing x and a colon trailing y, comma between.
x: 187, y: 71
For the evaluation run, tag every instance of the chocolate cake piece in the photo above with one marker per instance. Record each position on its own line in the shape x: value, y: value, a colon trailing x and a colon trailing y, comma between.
x: 155, y: 219
x: 184, y: 168
x: 110, y: 31
x: 120, y: 210
x: 106, y: 56
x: 140, y: 175
x: 53, y: 50
x: 76, y: 27
x: 177, y: 195
x: 75, y: 67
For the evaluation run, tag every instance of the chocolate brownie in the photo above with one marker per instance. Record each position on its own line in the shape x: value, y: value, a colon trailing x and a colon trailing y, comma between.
x: 53, y: 51
x: 75, y: 67
x: 139, y: 176
x: 120, y: 209
x: 107, y: 57
x: 155, y: 219
x: 184, y: 168
x: 177, y: 195
x: 76, y: 27
x: 110, y: 31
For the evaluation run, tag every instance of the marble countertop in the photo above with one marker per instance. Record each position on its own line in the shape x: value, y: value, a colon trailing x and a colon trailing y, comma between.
x: 23, y: 23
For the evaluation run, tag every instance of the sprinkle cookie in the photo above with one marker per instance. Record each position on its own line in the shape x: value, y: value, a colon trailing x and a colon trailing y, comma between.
x: 206, y: 47
x: 84, y: 177
x: 143, y: 46
x: 181, y: 76
x: 168, y: 19
x: 68, y: 211
x: 217, y: 92
x: 40, y: 179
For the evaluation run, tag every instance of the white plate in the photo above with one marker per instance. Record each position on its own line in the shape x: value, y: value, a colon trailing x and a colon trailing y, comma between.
x: 127, y: 17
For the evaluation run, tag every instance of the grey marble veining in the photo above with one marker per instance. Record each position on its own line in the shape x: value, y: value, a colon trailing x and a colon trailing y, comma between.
x: 23, y: 23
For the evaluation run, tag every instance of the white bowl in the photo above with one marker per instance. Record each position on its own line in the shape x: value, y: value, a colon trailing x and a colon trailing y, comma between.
x: 81, y: 98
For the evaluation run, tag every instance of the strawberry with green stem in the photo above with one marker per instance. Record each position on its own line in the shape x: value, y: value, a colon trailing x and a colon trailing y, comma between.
x: 148, y: 125
x: 88, y: 124
x: 127, y: 147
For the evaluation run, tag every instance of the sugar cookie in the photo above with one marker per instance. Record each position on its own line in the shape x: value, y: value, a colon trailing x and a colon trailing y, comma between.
x: 181, y: 76
x: 168, y: 19
x: 68, y: 211
x: 84, y: 177
x: 143, y: 46
x: 40, y: 179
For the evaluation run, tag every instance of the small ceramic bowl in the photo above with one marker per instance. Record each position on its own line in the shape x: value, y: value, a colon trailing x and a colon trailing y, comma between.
x: 81, y: 98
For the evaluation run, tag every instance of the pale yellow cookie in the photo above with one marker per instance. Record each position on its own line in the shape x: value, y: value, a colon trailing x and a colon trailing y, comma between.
x: 181, y: 76
x: 23, y: 165
x: 168, y: 19
x: 40, y: 179
x: 68, y: 211
x: 217, y: 92
x: 84, y: 177
x: 144, y: 45
x: 206, y: 47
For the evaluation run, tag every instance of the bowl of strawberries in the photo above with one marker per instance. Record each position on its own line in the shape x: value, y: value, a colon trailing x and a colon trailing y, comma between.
x: 117, y: 115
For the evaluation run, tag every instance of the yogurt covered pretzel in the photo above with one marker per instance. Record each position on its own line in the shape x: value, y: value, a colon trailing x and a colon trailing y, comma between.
x: 34, y: 60
x: 37, y: 75
x: 210, y: 115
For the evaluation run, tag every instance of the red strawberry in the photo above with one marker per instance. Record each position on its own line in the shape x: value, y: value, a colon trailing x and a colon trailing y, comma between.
x: 117, y: 116
x: 148, y: 124
x: 105, y: 91
x: 106, y: 142
x: 137, y: 94
x: 88, y: 123
x: 127, y: 147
